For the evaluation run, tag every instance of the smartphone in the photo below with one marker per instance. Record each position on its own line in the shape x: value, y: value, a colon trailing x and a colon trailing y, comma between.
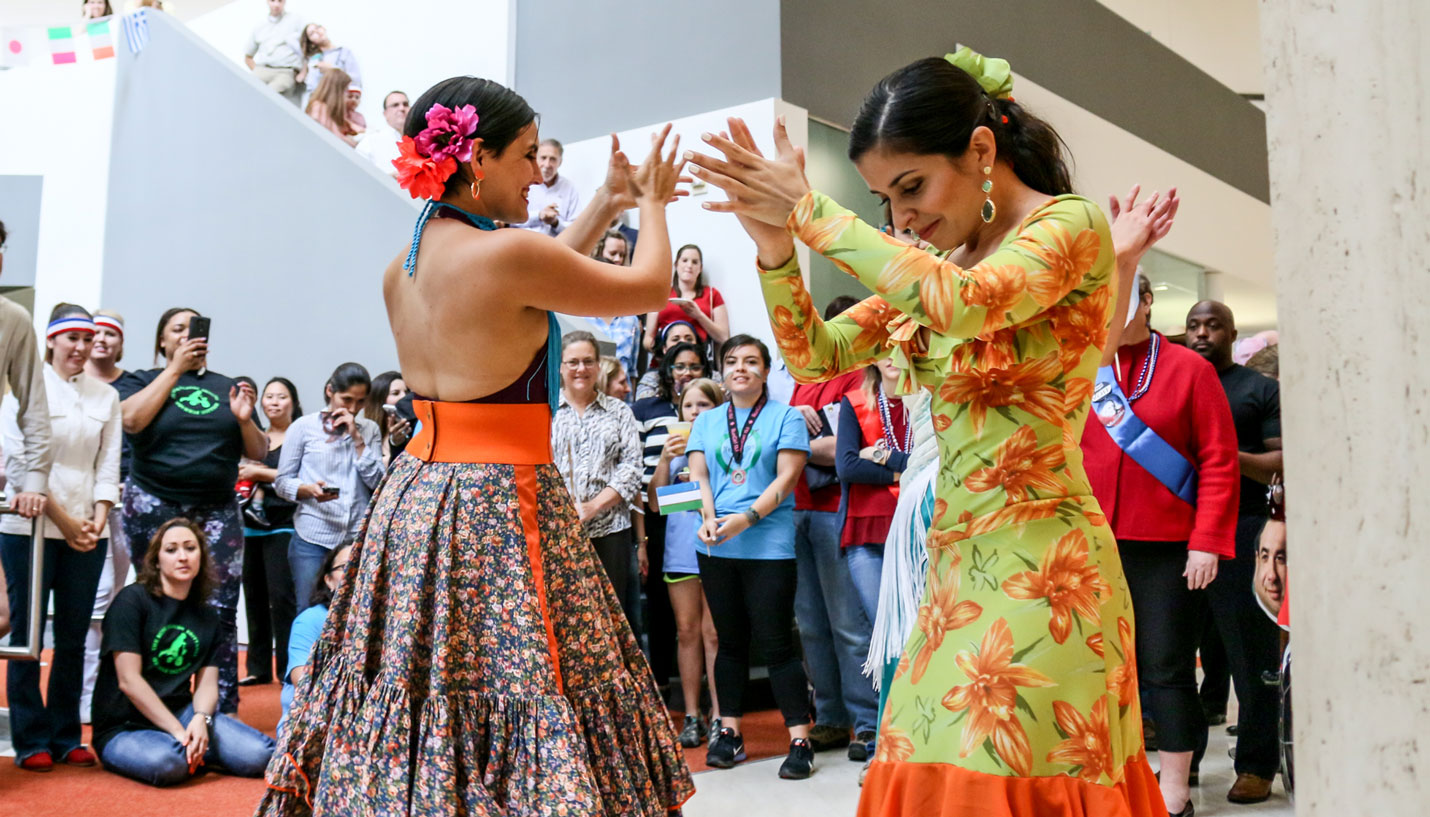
x: 390, y: 410
x: 198, y: 327
x: 331, y: 490
x: 682, y: 301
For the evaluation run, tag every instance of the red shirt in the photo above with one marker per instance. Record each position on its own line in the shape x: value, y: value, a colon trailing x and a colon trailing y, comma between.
x: 708, y: 300
x: 1187, y: 407
x: 820, y: 395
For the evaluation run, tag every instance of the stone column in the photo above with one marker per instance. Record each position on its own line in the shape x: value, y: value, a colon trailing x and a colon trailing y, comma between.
x: 1348, y: 127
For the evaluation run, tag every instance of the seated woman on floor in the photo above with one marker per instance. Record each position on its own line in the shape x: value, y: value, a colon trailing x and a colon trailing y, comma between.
x: 308, y: 626
x: 155, y: 700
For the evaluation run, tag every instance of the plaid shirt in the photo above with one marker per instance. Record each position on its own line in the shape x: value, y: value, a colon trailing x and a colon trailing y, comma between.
x: 598, y: 450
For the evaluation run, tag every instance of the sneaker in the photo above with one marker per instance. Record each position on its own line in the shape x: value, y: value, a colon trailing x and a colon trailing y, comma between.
x: 823, y: 738
x: 863, y: 746
x: 256, y: 514
x: 38, y: 762
x: 800, y: 763
x: 690, y: 732
x: 80, y: 756
x: 725, y: 750
x: 713, y: 727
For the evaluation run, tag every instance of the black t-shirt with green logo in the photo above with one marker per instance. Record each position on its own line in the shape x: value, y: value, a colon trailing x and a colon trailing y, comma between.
x: 173, y: 640
x: 189, y: 454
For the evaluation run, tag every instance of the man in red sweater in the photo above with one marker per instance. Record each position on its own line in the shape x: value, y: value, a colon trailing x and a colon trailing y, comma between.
x: 833, y: 630
x: 1170, y: 547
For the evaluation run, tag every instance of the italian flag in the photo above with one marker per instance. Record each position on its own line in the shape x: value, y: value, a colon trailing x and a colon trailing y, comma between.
x: 684, y: 496
x: 81, y: 43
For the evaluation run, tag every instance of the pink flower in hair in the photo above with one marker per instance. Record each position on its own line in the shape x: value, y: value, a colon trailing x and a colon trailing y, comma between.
x: 448, y: 133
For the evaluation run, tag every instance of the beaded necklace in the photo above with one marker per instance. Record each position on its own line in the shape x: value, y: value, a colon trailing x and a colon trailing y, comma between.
x: 888, y: 420
x: 1149, y: 367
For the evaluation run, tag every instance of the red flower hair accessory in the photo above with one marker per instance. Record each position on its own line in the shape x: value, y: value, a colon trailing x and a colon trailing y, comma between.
x: 427, y: 162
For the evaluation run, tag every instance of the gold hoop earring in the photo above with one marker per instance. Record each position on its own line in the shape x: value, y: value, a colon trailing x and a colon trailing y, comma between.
x: 990, y: 210
x: 476, y: 188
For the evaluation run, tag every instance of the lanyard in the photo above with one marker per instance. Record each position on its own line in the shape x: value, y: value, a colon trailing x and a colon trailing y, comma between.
x: 737, y: 441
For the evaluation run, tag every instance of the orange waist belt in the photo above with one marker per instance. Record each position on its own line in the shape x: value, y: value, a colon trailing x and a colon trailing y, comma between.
x: 508, y: 433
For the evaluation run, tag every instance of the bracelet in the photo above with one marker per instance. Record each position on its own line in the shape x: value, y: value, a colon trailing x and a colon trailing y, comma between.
x: 753, y: 515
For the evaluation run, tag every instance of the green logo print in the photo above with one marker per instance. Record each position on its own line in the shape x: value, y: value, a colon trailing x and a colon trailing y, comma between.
x: 174, y: 650
x: 194, y: 400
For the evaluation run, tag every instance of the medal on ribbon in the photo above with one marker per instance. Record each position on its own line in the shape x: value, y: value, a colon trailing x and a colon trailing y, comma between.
x: 740, y: 437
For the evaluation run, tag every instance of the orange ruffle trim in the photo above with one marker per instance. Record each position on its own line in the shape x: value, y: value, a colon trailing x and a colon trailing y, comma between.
x: 943, y: 790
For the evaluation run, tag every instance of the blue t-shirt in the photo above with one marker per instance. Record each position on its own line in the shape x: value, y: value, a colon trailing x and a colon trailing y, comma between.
x: 307, y: 629
x: 778, y: 428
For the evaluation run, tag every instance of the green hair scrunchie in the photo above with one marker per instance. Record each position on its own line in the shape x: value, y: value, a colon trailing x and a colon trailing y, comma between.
x: 995, y: 76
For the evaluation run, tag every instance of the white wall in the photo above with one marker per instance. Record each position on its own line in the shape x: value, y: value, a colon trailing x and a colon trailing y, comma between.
x: 729, y: 253
x: 57, y: 124
x: 408, y: 46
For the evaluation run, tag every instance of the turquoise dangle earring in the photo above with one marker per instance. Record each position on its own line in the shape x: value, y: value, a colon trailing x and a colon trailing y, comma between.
x: 990, y: 210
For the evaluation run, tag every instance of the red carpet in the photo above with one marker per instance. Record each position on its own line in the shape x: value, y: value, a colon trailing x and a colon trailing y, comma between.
x: 67, y: 791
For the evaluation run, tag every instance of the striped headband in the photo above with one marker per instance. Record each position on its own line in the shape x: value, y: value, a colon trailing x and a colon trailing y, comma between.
x: 70, y: 323
x: 110, y: 322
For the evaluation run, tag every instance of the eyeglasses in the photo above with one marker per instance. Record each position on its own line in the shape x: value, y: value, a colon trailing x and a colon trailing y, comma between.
x: 687, y: 367
x: 579, y: 364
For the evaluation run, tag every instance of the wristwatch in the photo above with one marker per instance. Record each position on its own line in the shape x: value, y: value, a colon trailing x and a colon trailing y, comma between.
x: 208, y: 719
x: 752, y: 515
x: 881, y: 455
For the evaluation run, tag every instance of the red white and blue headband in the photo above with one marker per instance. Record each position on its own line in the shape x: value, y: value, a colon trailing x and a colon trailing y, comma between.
x: 70, y: 323
x: 109, y: 322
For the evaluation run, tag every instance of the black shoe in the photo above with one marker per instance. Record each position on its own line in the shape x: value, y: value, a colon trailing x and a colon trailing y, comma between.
x: 254, y: 680
x: 725, y: 750
x: 863, y: 746
x: 1188, y: 811
x: 690, y: 733
x: 823, y: 738
x: 256, y: 515
x: 1216, y: 718
x: 800, y: 763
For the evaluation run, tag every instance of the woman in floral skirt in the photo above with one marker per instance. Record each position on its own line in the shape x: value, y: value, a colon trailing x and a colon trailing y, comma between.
x: 476, y: 660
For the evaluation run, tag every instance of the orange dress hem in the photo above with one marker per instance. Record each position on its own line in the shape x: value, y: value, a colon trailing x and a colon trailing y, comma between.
x: 905, y: 789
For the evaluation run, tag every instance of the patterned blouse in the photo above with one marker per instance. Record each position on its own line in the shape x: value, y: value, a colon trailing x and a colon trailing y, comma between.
x: 597, y: 450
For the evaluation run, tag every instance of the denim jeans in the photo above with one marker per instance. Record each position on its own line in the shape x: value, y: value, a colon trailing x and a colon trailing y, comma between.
x: 305, y: 559
x: 832, y: 626
x: 154, y: 757
x: 49, y: 724
x: 866, y: 567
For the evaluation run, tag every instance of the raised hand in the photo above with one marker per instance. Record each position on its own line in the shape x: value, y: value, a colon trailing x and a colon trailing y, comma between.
x: 758, y: 188
x: 1137, y: 226
x: 618, y: 177
x: 656, y: 178
x: 241, y: 398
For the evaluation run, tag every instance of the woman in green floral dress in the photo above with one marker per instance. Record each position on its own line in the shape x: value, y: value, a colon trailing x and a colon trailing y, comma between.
x: 1017, y: 690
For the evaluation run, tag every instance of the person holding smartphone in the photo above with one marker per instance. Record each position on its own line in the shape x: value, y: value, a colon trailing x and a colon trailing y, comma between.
x: 332, y: 461
x: 188, y: 427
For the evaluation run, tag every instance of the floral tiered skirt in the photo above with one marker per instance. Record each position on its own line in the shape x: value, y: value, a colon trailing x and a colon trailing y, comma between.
x: 476, y: 662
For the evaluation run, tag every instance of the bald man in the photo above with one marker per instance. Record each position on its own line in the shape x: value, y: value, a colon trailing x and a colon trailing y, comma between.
x: 1251, y: 638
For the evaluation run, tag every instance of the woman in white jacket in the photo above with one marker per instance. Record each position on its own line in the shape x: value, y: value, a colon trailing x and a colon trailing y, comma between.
x: 86, y: 430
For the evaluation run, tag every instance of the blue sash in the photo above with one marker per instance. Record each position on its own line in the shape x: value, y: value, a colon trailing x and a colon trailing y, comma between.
x: 1139, y: 441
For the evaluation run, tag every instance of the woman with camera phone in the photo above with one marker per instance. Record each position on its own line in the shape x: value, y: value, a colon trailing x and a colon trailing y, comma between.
x: 332, y: 461
x: 187, y: 428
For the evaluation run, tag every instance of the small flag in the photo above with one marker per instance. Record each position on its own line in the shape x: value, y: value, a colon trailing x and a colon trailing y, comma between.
x: 101, y: 42
x: 62, y: 45
x: 683, y: 496
x: 22, y: 45
x: 136, y: 30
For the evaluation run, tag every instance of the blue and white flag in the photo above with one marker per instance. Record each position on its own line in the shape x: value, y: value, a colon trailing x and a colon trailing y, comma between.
x: 682, y: 496
x: 136, y: 30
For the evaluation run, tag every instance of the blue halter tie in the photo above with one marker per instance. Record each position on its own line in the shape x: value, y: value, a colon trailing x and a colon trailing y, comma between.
x: 553, y: 328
